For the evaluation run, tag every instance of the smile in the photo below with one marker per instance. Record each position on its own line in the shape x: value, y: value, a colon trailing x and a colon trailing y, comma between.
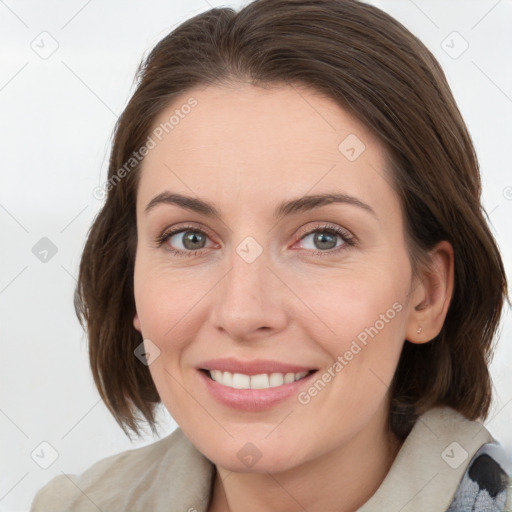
x: 252, y: 385
x: 260, y: 381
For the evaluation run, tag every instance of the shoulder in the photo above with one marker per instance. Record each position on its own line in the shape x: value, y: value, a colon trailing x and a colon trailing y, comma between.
x: 430, y: 465
x: 479, y: 465
x: 486, y: 482
x: 151, y: 478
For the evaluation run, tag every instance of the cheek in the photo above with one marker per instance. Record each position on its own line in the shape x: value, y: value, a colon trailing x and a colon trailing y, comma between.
x: 361, y: 324
x: 347, y: 304
x: 164, y: 310
x: 168, y: 307
x: 165, y: 299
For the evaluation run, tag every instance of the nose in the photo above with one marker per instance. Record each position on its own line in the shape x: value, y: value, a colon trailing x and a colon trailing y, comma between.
x: 249, y: 301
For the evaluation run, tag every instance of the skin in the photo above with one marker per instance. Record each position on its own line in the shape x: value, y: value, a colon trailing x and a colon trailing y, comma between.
x: 246, y: 149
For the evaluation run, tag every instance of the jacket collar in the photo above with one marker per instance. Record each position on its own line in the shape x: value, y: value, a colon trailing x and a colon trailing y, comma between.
x: 430, y: 464
x: 422, y: 478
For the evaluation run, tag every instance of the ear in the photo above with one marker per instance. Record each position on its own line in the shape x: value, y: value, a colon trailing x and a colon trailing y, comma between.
x: 136, y: 322
x: 431, y: 295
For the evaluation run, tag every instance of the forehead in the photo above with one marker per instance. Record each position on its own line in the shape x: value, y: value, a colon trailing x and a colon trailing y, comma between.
x: 286, y: 140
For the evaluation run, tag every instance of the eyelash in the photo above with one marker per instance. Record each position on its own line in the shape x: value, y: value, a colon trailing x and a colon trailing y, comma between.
x: 348, y: 240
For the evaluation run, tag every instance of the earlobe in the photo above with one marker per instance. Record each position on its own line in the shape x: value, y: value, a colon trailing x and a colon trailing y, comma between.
x: 136, y: 322
x: 432, y: 296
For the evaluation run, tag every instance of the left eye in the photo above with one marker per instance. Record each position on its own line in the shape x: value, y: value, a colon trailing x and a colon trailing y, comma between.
x: 324, y: 239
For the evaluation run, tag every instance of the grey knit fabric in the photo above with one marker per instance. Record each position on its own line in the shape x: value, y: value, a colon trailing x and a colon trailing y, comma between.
x: 485, y: 482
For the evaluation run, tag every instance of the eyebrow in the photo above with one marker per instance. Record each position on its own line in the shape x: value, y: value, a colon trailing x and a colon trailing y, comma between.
x: 285, y: 208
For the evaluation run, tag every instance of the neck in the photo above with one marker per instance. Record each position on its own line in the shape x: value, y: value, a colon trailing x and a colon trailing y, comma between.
x: 341, y: 480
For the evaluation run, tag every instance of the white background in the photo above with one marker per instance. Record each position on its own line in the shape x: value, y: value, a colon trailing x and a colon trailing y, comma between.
x: 56, y: 119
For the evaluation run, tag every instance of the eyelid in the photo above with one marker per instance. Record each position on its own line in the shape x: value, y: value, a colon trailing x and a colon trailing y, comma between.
x: 326, y: 226
x: 187, y: 226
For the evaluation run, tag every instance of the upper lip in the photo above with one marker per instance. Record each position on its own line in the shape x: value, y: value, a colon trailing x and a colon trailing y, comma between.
x: 252, y: 367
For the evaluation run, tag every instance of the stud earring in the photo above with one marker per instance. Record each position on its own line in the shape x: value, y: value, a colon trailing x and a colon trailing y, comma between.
x: 419, y: 330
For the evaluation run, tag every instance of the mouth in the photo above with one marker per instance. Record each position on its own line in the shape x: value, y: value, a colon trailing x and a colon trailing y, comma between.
x: 258, y: 381
x: 257, y: 390
x: 252, y: 385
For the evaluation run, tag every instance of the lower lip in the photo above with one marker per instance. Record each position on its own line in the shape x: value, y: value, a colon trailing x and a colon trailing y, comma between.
x: 252, y: 400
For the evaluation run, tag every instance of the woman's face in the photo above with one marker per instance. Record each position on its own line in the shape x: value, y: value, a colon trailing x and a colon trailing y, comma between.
x: 260, y: 293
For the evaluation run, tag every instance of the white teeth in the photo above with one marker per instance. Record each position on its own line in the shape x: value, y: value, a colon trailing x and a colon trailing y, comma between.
x: 227, y: 378
x: 241, y: 381
x: 260, y: 381
x: 289, y: 377
x: 276, y: 379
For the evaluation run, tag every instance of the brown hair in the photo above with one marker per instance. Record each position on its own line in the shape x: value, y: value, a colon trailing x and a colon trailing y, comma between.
x: 372, y: 66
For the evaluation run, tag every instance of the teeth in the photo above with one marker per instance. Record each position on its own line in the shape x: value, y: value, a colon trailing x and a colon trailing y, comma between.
x: 241, y: 381
x: 276, y: 379
x: 261, y: 381
x: 227, y: 379
x: 290, y: 377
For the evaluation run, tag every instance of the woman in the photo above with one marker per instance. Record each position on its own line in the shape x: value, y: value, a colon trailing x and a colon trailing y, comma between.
x: 292, y: 257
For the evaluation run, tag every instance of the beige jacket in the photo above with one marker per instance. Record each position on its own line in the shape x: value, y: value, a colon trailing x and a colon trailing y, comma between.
x: 171, y: 475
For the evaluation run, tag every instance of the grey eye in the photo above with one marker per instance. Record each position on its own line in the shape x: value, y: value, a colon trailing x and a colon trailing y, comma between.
x: 323, y: 240
x: 190, y: 240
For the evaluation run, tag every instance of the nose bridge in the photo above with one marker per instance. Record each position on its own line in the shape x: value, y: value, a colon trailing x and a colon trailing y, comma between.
x: 248, y: 274
x: 248, y: 298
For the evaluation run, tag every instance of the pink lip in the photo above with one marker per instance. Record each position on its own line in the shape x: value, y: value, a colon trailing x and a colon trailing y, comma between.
x: 252, y: 400
x: 253, y: 367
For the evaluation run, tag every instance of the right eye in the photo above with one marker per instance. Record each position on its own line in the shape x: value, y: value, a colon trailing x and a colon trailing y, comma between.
x: 191, y: 240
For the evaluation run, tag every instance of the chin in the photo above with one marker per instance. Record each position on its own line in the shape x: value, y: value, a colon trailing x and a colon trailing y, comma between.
x: 262, y: 466
x: 255, y: 456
